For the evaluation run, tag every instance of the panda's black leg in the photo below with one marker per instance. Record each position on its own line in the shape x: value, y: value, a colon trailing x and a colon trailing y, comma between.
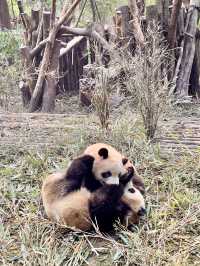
x: 103, y: 206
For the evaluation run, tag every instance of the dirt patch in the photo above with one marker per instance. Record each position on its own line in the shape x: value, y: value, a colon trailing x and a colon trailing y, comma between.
x: 38, y: 130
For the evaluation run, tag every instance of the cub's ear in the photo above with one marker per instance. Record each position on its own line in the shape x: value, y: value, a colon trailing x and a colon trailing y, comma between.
x: 103, y: 152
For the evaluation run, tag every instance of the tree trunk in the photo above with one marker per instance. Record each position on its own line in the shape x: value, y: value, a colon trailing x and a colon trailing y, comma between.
x: 194, y: 88
x: 182, y: 83
x: 172, y: 35
x: 25, y: 92
x: 51, y: 81
x: 48, y: 52
x: 141, y: 7
x: 163, y: 14
x: 4, y: 15
x: 122, y: 18
x: 46, y: 23
x: 92, y: 3
x: 138, y: 34
x: 173, y: 23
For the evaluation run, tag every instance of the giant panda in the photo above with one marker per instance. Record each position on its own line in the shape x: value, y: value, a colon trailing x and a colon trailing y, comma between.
x: 90, y: 182
x: 93, y: 149
x: 84, y: 210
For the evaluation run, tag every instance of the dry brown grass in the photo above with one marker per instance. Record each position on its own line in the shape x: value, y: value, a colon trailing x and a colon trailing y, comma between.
x: 145, y: 77
x: 100, y: 98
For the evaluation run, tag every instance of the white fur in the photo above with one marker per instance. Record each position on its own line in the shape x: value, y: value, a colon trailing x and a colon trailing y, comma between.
x: 113, y: 180
x: 136, y: 198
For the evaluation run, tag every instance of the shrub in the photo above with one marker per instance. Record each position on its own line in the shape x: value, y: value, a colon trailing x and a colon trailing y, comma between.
x: 9, y: 45
x: 100, y: 98
x: 146, y: 78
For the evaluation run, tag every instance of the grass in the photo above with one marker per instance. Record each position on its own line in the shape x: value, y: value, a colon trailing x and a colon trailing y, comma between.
x: 170, y: 235
x: 10, y: 68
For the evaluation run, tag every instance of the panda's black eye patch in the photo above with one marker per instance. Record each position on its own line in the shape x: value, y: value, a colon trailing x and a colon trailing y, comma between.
x: 106, y: 174
x: 124, y: 161
x: 131, y: 190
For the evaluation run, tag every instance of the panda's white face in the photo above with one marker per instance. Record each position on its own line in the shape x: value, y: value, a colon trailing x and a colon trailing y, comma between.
x: 108, y: 170
x: 134, y: 199
x: 108, y: 165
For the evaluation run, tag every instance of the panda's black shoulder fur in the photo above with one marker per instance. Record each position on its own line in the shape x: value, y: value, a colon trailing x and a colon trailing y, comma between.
x: 102, y: 206
x: 80, y: 174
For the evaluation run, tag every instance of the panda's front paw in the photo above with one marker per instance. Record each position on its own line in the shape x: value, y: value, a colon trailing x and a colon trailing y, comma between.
x: 124, y: 179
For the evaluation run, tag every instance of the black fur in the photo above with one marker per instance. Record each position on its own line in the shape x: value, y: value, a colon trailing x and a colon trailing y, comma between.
x: 91, y: 183
x: 124, y: 179
x: 103, y: 152
x: 122, y: 210
x: 105, y: 205
x: 78, y: 171
x: 124, y: 161
x: 80, y: 174
x: 131, y: 190
x: 102, y: 206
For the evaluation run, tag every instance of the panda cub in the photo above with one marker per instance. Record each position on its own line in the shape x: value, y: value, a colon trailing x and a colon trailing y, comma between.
x: 90, y: 192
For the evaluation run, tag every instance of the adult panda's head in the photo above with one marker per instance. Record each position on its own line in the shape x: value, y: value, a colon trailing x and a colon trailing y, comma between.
x: 108, y: 166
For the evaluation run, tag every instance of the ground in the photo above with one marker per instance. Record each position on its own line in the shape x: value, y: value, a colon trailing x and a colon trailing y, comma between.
x: 33, y: 145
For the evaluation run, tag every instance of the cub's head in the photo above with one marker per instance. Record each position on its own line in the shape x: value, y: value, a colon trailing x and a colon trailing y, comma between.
x: 137, y: 180
x: 108, y: 166
x: 135, y: 203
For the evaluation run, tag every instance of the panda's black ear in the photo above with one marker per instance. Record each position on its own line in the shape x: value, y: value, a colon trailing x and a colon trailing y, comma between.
x: 103, y: 152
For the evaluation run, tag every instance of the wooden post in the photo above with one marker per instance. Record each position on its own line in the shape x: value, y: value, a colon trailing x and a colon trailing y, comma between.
x: 22, y: 14
x: 182, y: 83
x: 46, y: 23
x: 173, y: 23
x: 25, y: 53
x: 163, y: 13
x: 123, y: 28
x: 26, y: 94
x: 92, y: 4
x: 35, y: 19
x: 141, y: 7
x: 4, y: 15
x: 48, y: 102
x: 194, y: 88
x: 138, y: 34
